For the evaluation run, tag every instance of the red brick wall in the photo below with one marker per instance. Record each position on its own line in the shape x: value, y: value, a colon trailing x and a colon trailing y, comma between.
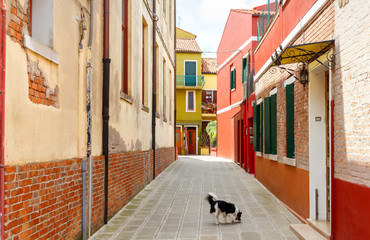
x: 18, y: 19
x: 44, y: 200
x: 138, y: 172
x: 39, y: 92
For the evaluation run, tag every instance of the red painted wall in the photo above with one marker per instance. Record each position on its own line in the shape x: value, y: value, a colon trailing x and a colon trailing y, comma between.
x: 351, y: 211
x: 289, y: 184
x: 237, y: 31
x: 225, y: 133
x: 289, y: 16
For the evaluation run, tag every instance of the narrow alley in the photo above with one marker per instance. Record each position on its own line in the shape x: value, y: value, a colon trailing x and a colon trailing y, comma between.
x: 173, y: 206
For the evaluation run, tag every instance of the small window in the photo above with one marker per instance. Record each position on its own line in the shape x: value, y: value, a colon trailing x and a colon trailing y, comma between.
x: 190, y: 101
x: 124, y: 46
x: 144, y: 69
x: 164, y: 90
x: 232, y: 79
x: 41, y: 25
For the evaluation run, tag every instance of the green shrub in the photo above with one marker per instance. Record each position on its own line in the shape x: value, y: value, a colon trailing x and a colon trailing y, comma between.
x: 211, y: 130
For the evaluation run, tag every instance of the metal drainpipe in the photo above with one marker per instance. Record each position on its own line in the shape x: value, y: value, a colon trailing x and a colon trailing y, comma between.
x: 175, y: 110
x: 154, y: 97
x: 105, y: 111
x: 2, y: 111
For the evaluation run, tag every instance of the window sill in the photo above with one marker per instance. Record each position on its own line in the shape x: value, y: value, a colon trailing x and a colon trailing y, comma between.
x: 126, y: 97
x: 290, y: 161
x: 233, y: 90
x: 41, y: 49
x: 258, y: 154
x: 145, y: 108
x: 273, y: 157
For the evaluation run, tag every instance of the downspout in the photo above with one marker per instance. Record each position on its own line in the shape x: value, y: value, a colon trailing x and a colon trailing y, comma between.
x: 2, y: 112
x: 175, y: 110
x: 154, y: 77
x: 105, y: 111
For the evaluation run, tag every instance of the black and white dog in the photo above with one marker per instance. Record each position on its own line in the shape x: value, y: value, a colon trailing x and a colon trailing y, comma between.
x: 221, y: 207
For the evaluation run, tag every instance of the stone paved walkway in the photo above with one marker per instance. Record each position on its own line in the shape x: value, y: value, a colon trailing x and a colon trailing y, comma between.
x: 173, y: 206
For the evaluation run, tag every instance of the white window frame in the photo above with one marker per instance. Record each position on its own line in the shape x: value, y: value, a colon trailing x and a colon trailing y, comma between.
x: 194, y: 101
x: 196, y: 66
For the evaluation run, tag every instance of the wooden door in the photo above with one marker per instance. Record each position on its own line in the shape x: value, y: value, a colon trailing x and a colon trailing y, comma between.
x: 192, y: 141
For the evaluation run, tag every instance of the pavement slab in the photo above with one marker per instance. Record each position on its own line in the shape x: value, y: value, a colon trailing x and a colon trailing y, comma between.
x: 173, y: 206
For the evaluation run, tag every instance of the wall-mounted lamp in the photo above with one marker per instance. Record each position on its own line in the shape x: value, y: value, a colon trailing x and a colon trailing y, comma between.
x: 303, y: 78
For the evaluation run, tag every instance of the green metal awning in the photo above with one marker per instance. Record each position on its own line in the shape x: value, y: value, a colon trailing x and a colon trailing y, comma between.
x: 301, y: 53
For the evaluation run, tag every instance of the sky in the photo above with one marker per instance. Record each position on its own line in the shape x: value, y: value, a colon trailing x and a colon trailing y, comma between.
x: 207, y: 19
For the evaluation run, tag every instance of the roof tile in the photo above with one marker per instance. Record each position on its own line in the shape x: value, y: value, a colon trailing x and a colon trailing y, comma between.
x: 209, y: 65
x: 187, y: 45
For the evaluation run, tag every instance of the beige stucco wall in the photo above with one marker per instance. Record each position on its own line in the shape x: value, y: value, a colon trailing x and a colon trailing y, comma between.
x: 39, y: 133
x: 130, y: 125
x: 36, y: 132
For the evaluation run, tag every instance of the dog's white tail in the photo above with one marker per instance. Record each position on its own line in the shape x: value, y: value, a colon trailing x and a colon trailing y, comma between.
x: 211, y: 197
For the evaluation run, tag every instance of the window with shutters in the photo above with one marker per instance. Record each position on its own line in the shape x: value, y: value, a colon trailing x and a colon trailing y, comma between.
x: 290, y: 149
x: 164, y: 90
x: 125, y: 86
x: 270, y: 123
x: 190, y: 101
x: 144, y: 66
x: 258, y: 127
x: 232, y: 79
x: 246, y: 68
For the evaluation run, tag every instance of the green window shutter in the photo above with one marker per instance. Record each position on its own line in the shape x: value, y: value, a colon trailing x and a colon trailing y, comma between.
x: 267, y: 126
x: 261, y: 128
x: 231, y: 80
x: 234, y: 77
x: 244, y: 72
x: 273, y: 110
x: 248, y: 68
x: 290, y: 120
x: 255, y: 127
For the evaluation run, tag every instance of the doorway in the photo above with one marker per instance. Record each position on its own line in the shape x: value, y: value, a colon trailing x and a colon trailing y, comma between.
x: 319, y: 143
x: 192, y: 140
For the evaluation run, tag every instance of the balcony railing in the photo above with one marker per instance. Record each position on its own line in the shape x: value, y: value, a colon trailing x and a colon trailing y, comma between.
x: 264, y: 20
x: 189, y: 81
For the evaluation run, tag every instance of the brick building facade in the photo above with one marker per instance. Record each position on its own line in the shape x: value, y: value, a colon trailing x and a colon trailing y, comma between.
x: 52, y: 140
x: 320, y: 168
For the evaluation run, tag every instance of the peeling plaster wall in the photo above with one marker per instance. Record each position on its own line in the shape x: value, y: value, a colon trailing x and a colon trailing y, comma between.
x: 38, y: 132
